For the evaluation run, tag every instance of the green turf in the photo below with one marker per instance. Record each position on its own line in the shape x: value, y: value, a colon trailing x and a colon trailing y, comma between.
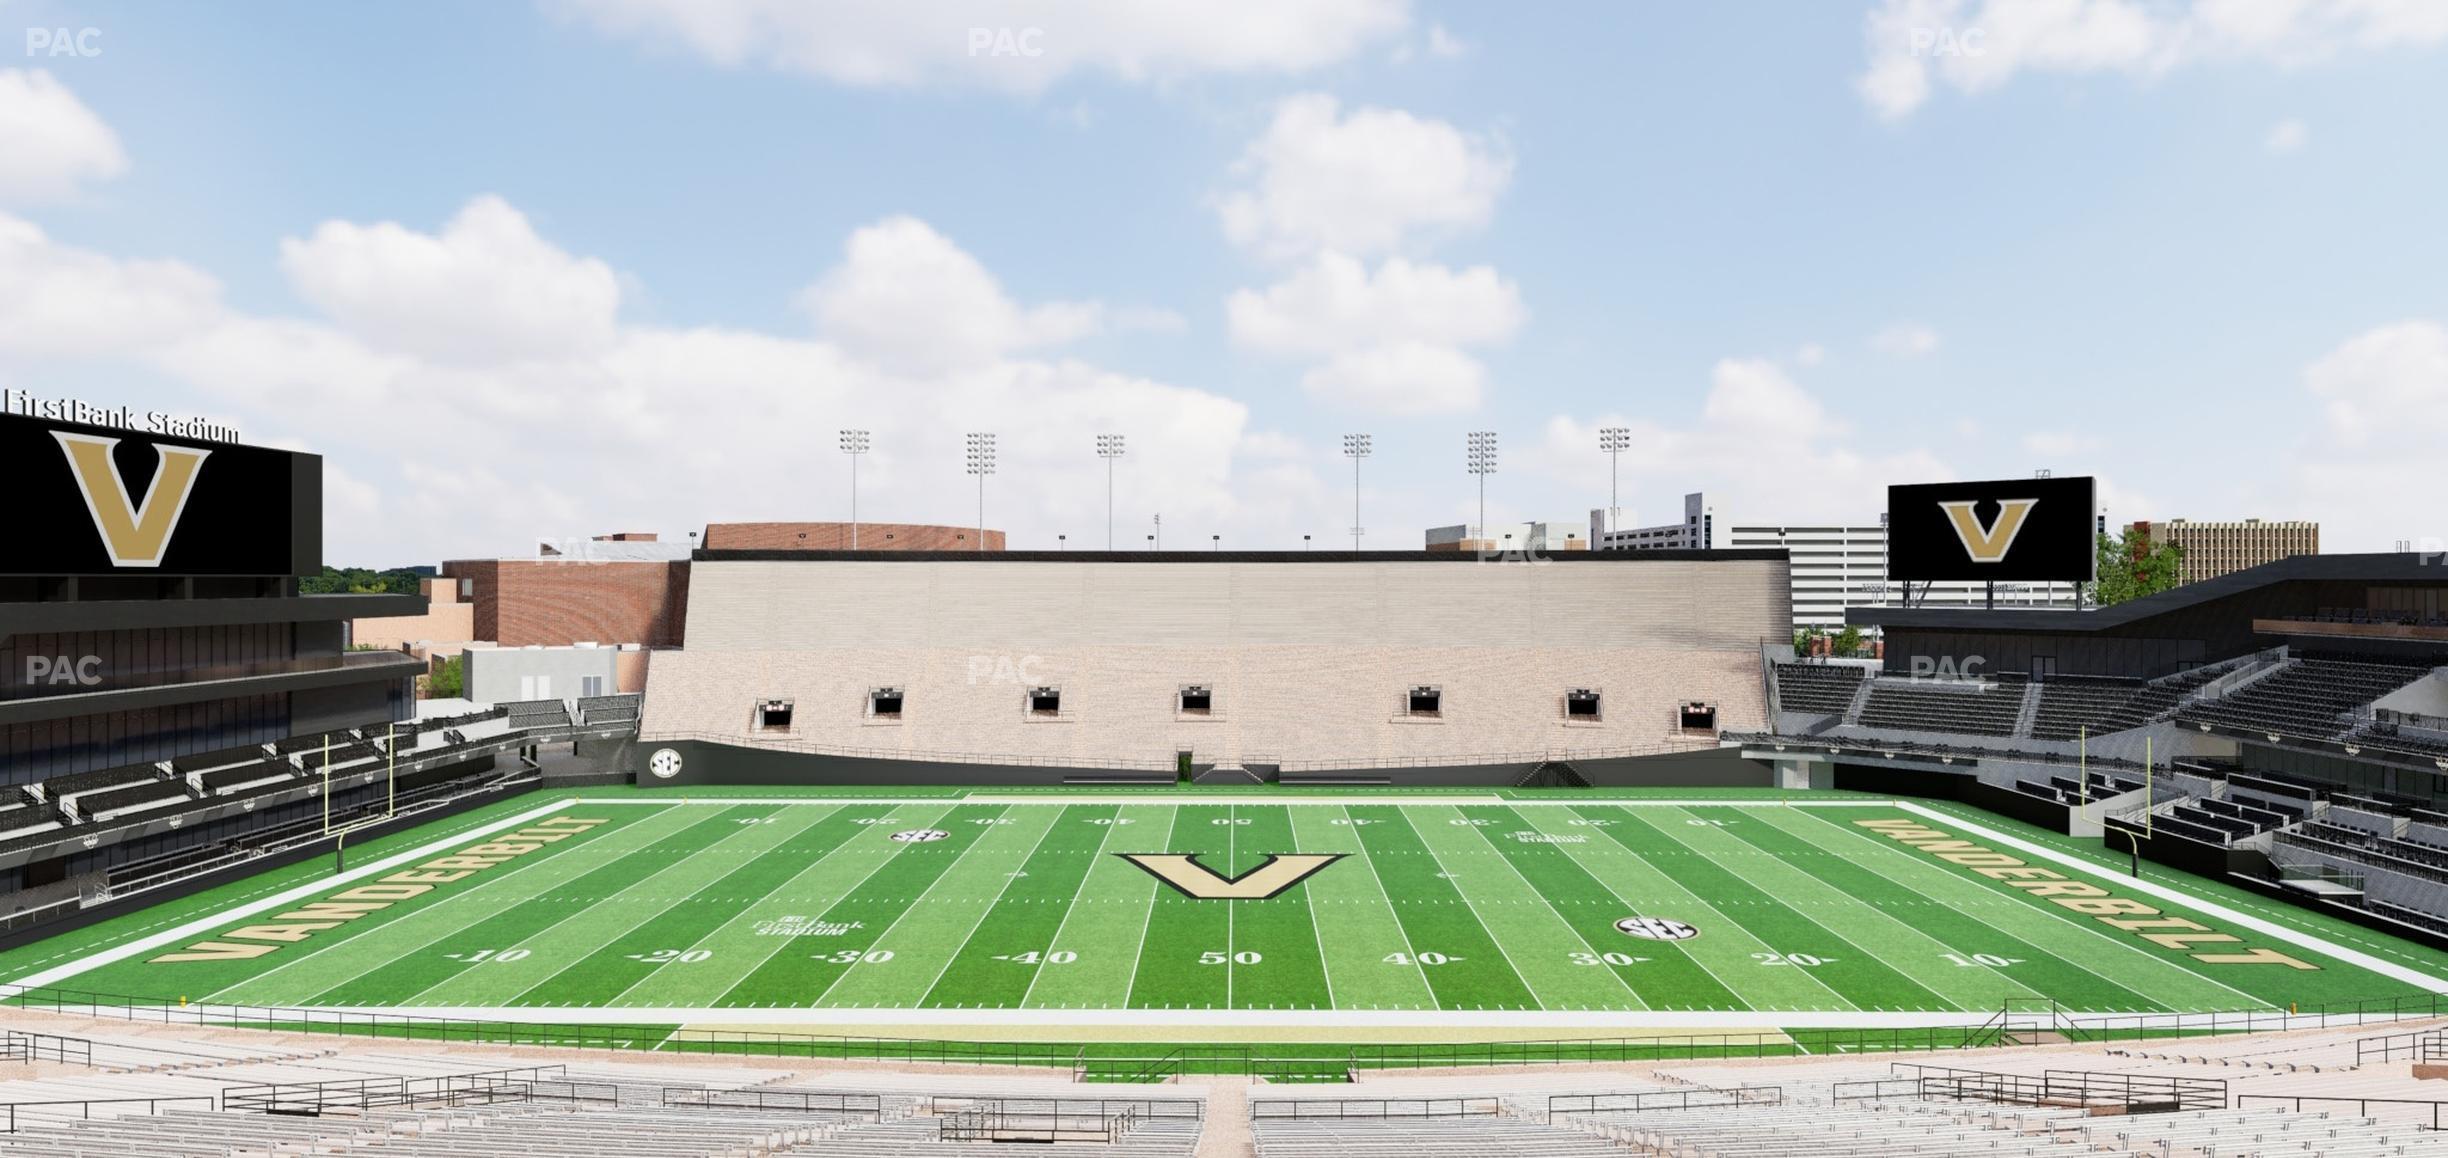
x: 1466, y: 902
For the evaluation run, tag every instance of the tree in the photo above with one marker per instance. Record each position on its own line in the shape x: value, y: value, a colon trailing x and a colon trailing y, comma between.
x: 360, y: 581
x: 1808, y: 641
x: 1848, y: 643
x: 448, y: 681
x: 2130, y: 567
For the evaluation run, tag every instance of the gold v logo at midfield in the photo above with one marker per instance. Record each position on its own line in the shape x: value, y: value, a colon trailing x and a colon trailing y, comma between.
x: 1198, y: 882
x: 1989, y: 544
x: 134, y: 534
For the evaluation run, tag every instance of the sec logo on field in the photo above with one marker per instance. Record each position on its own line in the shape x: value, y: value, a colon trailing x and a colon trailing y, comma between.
x: 920, y: 835
x: 1655, y: 929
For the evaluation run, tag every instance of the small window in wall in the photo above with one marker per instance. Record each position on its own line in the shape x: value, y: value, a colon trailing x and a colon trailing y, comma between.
x: 884, y: 703
x: 590, y: 685
x: 773, y: 715
x: 1045, y: 701
x: 1698, y: 717
x: 1581, y: 704
x: 1425, y: 701
x: 1197, y: 700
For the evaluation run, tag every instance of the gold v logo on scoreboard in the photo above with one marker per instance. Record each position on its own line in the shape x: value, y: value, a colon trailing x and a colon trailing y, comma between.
x: 1198, y: 882
x: 1988, y: 544
x: 135, y: 534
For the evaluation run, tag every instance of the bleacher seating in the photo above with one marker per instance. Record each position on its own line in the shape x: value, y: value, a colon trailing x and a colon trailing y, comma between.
x: 1990, y: 711
x: 242, y: 774
x: 609, y: 709
x: 221, y: 759
x: 538, y: 714
x: 62, y: 787
x: 122, y: 802
x: 2306, y: 698
x: 1818, y: 688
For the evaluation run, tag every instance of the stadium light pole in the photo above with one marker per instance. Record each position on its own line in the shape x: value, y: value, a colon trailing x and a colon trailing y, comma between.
x: 981, y: 464
x: 1614, y: 440
x: 854, y: 444
x: 1109, y: 448
x: 1356, y: 447
x: 1482, y: 459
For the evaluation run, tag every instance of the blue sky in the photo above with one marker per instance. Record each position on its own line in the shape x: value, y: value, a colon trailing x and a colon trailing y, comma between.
x: 592, y: 265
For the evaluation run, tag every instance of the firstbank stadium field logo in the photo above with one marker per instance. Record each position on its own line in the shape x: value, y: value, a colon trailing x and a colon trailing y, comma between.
x: 920, y: 835
x: 1655, y: 929
x: 134, y: 534
x: 1200, y: 883
x: 1988, y: 544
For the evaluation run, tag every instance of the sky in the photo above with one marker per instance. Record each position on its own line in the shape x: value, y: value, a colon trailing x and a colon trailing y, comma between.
x: 537, y: 271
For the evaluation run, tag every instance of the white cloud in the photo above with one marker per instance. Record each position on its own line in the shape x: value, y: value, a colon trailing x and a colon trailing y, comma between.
x: 1391, y: 340
x: 2370, y: 471
x: 1811, y: 354
x: 1445, y: 45
x: 1821, y: 474
x: 2287, y: 136
x: 906, y: 297
x: 1915, y: 44
x: 1336, y: 303
x: 1905, y: 340
x: 51, y: 145
x: 1013, y: 45
x: 1367, y: 183
x: 1400, y: 378
x: 485, y: 445
x: 59, y: 301
x: 485, y: 288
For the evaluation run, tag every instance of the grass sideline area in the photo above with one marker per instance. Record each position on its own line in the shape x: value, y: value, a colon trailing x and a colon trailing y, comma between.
x: 1442, y: 905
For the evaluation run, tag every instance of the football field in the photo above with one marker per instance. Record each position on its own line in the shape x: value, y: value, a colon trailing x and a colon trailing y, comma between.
x: 1546, y: 910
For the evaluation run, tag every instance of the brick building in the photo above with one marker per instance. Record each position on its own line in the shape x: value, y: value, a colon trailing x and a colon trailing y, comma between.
x: 2215, y: 549
x: 836, y: 537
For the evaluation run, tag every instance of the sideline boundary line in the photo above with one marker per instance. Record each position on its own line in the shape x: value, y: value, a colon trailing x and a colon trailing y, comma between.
x: 122, y: 952
x: 2318, y: 944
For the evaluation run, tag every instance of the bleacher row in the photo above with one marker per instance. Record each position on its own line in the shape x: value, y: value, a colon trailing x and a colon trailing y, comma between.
x: 2073, y: 790
x: 2306, y: 697
x: 1988, y: 710
x: 1824, y: 689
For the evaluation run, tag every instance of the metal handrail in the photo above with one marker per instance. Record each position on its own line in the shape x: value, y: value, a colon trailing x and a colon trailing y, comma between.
x: 11, y: 1120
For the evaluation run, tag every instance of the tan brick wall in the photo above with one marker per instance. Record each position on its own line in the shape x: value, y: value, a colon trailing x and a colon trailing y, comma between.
x: 519, y: 602
x: 1308, y: 662
x: 836, y: 537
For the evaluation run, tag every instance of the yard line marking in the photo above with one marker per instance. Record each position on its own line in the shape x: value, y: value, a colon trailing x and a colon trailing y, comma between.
x: 1404, y: 813
x: 1558, y: 914
x: 1388, y: 900
x: 2317, y: 944
x: 2089, y: 928
x: 1722, y: 912
x: 1074, y: 907
x: 909, y: 908
x: 1148, y: 916
x: 1856, y: 911
x: 292, y: 896
x: 783, y: 943
x: 983, y: 913
x: 1814, y: 838
x: 1629, y: 907
x: 1309, y: 900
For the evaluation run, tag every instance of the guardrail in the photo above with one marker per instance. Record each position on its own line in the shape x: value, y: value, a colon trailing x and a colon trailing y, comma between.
x: 2427, y: 1109
x: 1696, y: 1099
x: 1304, y: 1109
x: 2425, y: 1045
x: 15, y: 1116
x: 868, y: 1106
x: 2133, y: 1092
x: 524, y: 1084
x: 750, y: 740
x: 25, y: 1046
